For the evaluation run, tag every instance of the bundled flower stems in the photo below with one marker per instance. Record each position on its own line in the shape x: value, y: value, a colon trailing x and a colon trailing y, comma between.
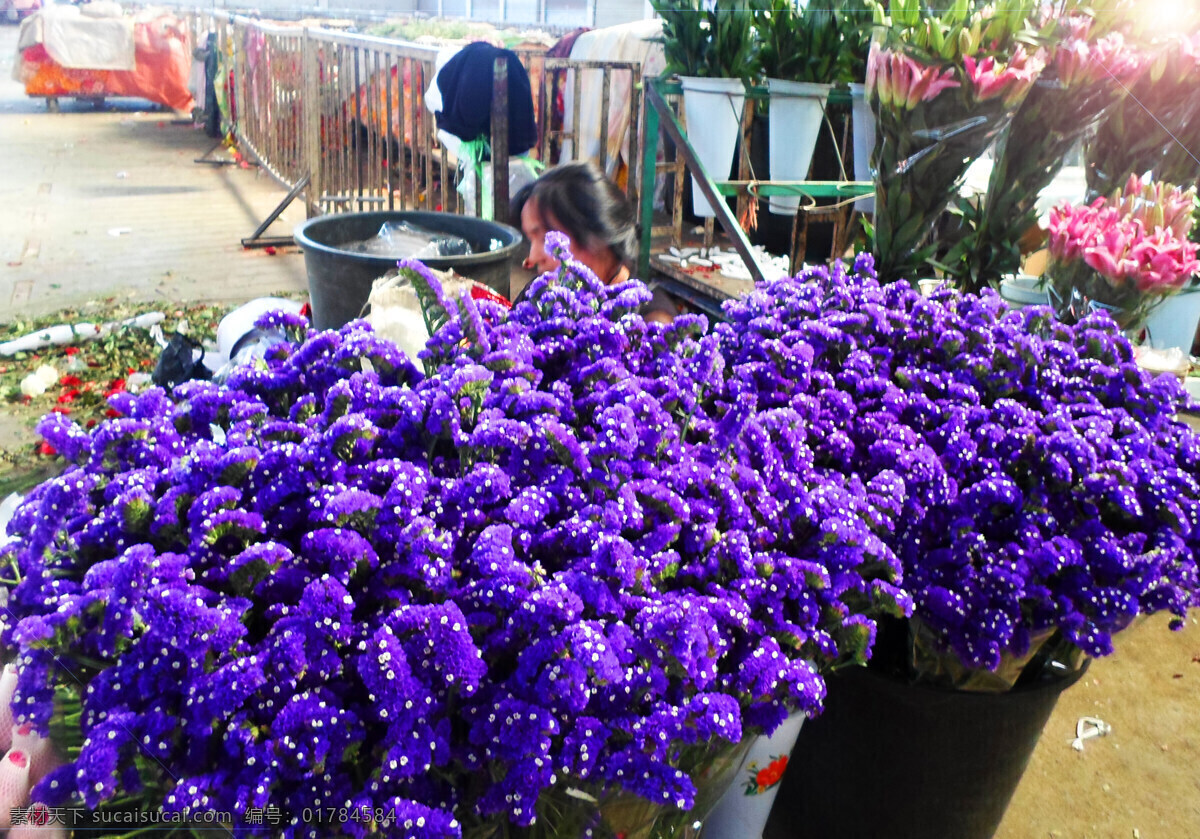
x: 940, y: 95
x: 1088, y: 74
x: 1156, y: 128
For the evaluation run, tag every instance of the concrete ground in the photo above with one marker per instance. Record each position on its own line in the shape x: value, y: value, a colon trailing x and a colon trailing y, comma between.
x: 99, y: 203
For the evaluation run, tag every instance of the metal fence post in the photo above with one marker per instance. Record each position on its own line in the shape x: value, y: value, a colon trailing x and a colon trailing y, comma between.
x: 500, y: 141
x: 310, y: 143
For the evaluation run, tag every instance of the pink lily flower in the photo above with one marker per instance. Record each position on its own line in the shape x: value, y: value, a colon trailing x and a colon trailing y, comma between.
x: 1134, y: 238
x: 1076, y: 27
x: 1102, y: 261
x: 1113, y: 55
x: 991, y: 78
x: 901, y: 81
x: 926, y: 82
x: 1078, y: 62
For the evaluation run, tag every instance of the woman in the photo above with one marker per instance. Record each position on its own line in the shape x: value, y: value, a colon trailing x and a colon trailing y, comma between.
x: 577, y: 200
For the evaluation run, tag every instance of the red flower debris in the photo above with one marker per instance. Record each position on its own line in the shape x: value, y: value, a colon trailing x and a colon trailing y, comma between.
x: 71, y: 350
x: 70, y: 381
x: 112, y: 413
x: 480, y: 292
x: 44, y: 448
x: 270, y: 249
x: 90, y: 424
x: 59, y: 409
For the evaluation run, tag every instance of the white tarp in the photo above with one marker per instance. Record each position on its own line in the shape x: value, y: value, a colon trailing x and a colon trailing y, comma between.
x: 98, y: 38
x: 629, y: 42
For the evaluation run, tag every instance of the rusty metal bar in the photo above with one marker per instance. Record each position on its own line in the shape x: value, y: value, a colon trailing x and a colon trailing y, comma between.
x: 576, y: 111
x: 500, y: 140
x: 395, y: 146
x: 605, y: 85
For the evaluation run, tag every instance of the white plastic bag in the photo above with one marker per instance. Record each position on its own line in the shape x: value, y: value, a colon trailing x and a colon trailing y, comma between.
x: 395, y: 311
x: 395, y: 314
x: 520, y: 172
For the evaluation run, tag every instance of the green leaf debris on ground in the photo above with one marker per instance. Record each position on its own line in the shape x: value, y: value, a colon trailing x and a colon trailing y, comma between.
x: 88, y: 373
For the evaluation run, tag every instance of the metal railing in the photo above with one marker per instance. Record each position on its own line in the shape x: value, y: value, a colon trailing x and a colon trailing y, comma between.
x: 342, y: 116
x: 663, y: 109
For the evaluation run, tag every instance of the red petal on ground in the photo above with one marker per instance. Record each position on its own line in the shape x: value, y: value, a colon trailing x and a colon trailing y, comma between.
x: 270, y: 250
x: 71, y: 350
x: 70, y: 381
x: 112, y: 413
x: 45, y: 448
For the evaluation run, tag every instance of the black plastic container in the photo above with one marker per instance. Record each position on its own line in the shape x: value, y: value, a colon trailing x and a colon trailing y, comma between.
x: 339, y: 281
x: 889, y: 759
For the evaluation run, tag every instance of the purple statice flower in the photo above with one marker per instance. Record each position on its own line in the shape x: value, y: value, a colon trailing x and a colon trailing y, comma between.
x: 1023, y: 467
x: 578, y: 550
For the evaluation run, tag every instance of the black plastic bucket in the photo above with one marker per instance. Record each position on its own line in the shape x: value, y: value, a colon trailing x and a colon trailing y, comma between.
x: 339, y: 281
x: 888, y: 759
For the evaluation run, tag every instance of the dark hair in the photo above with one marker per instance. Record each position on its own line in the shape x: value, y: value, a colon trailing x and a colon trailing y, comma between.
x: 576, y: 199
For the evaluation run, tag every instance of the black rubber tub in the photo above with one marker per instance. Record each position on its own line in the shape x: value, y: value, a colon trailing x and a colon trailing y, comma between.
x: 889, y: 760
x: 339, y: 281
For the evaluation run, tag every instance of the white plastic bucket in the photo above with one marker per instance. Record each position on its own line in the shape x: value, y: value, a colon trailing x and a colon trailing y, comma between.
x: 797, y: 110
x: 863, y: 122
x: 1023, y: 290
x: 1173, y: 322
x: 743, y: 811
x: 713, y: 109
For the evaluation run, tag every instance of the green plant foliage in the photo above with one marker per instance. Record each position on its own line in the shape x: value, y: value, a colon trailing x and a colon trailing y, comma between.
x: 714, y: 43
x: 819, y: 44
x: 951, y: 29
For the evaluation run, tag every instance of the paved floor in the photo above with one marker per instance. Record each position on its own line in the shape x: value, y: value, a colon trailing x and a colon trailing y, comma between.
x: 100, y: 203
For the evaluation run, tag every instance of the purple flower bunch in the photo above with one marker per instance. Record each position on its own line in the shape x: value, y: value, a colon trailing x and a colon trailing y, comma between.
x: 1041, y: 484
x: 573, y: 549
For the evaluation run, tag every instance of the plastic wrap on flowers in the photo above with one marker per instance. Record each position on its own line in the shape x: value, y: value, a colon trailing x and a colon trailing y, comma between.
x: 1088, y: 74
x: 1155, y: 129
x: 1078, y: 290
x: 933, y: 119
x: 574, y: 553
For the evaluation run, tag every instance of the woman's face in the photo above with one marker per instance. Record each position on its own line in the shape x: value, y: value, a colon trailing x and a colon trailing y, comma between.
x: 535, y: 229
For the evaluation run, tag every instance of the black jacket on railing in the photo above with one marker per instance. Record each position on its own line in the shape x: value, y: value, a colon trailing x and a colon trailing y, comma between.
x: 466, y: 86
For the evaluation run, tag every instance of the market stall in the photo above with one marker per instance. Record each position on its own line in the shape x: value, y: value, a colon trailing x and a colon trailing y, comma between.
x: 96, y: 51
